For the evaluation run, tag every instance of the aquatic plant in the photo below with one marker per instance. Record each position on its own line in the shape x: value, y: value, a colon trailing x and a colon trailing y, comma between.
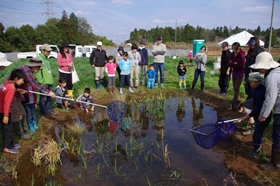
x: 76, y: 128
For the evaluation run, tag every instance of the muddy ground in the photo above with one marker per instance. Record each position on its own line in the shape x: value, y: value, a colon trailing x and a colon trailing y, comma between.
x: 245, y: 170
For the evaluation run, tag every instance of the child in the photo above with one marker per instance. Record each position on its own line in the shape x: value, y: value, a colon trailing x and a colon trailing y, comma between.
x: 60, y: 91
x: 256, y: 79
x: 191, y: 56
x: 7, y: 92
x: 135, y: 59
x: 86, y: 99
x: 182, y: 70
x: 125, y: 72
x: 151, y: 77
x: 110, y: 69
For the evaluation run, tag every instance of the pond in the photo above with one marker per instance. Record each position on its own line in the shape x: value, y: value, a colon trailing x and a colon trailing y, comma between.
x: 153, y: 145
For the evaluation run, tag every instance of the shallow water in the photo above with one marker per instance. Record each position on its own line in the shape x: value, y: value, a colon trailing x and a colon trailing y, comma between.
x: 140, y: 159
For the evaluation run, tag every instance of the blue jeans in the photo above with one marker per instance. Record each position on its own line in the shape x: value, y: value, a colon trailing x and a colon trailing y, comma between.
x: 276, y: 131
x: 200, y: 73
x: 30, y: 112
x: 259, y: 130
x: 125, y: 79
x: 45, y: 102
x: 151, y: 83
x: 160, y: 67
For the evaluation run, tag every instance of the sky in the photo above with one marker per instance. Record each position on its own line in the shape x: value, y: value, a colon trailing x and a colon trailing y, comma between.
x: 115, y: 19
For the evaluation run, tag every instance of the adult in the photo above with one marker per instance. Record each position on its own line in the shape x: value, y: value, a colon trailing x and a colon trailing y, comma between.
x: 65, y: 64
x: 4, y: 61
x: 265, y: 64
x: 97, y: 60
x: 144, y: 60
x: 159, y: 51
x: 45, y: 78
x: 119, y: 56
x: 236, y: 63
x: 200, y: 68
x: 254, y: 50
x: 135, y: 59
x: 84, y: 52
x: 224, y: 77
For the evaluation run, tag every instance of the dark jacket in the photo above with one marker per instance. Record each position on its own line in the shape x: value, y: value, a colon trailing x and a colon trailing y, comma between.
x: 98, y: 58
x: 144, y: 56
x: 224, y: 61
x: 240, y: 59
x: 250, y: 60
x: 180, y: 71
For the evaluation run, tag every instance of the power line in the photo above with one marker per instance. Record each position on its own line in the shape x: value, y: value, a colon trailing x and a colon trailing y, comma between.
x: 47, y: 4
x: 33, y: 13
x: 14, y: 8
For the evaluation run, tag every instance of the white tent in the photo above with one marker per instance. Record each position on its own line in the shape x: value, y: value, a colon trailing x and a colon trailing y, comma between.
x: 242, y: 37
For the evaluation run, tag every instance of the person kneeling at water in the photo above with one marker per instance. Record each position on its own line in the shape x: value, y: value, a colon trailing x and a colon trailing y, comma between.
x: 60, y: 91
x: 86, y: 99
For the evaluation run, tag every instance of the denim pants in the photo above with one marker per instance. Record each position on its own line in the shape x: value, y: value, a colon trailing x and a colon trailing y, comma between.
x: 151, y: 83
x: 45, y: 102
x: 30, y: 112
x: 276, y: 131
x: 159, y: 67
x: 125, y: 79
x: 259, y: 131
x: 200, y: 73
x: 7, y: 132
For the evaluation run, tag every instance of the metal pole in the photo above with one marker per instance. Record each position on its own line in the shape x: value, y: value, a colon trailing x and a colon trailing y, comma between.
x: 270, y: 35
x: 175, y: 36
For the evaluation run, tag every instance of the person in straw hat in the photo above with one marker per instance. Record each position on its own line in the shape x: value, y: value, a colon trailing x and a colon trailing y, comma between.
x: 265, y: 64
x: 3, y: 61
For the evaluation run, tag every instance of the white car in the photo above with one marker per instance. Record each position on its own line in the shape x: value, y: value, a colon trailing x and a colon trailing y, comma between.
x: 89, y: 49
x: 25, y: 55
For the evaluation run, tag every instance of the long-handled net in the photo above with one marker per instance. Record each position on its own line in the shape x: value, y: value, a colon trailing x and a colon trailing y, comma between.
x: 207, y: 135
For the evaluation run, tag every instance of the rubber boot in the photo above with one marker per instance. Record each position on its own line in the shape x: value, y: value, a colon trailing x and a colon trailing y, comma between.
x: 25, y: 136
x: 31, y: 127
x: 274, y: 164
x: 97, y: 85
x: 114, y: 90
x: 101, y: 83
x: 121, y: 92
x: 110, y: 91
x: 35, y: 125
x: 201, y: 87
x: 193, y: 85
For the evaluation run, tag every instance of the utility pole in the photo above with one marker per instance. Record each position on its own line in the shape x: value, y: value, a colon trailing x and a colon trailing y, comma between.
x: 270, y: 35
x: 47, y: 4
x: 175, y: 37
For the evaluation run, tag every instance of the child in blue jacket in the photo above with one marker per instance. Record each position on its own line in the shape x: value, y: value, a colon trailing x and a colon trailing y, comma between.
x: 125, y: 72
x: 151, y: 76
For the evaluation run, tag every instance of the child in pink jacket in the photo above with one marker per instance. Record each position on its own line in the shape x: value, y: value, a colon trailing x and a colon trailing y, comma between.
x: 110, y: 69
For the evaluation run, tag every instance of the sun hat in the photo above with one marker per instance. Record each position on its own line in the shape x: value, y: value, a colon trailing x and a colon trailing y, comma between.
x: 120, y: 48
x: 256, y: 76
x: 3, y: 60
x: 99, y: 43
x: 159, y: 38
x: 64, y: 44
x: 46, y: 47
x: 142, y: 42
x: 264, y: 60
x: 35, y: 62
x: 251, y: 41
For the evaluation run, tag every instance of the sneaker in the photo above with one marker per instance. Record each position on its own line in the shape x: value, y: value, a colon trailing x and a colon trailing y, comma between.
x: 222, y: 94
x: 16, y: 145
x: 248, y: 132
x: 156, y: 85
x: 180, y: 87
x: 52, y: 113
x: 121, y: 92
x: 67, y: 109
x: 255, y: 153
x: 130, y: 90
x: 12, y: 150
x: 162, y: 85
x: 25, y: 136
x: 46, y: 115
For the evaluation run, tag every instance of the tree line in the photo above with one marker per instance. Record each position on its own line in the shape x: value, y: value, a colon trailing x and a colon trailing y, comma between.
x: 188, y: 33
x: 74, y: 29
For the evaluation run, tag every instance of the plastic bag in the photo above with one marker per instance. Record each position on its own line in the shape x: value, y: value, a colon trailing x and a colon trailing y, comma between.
x: 75, y: 77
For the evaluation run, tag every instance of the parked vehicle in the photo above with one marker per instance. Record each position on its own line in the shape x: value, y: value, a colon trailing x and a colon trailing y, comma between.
x: 24, y: 55
x: 89, y: 49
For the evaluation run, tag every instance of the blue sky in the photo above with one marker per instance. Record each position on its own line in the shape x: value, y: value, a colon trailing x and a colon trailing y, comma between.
x: 115, y: 19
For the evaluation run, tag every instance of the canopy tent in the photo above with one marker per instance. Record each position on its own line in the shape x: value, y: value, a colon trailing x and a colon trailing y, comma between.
x: 242, y: 37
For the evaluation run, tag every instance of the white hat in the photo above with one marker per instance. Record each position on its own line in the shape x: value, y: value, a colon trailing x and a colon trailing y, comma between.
x: 256, y: 76
x: 3, y: 60
x: 99, y: 43
x: 264, y: 60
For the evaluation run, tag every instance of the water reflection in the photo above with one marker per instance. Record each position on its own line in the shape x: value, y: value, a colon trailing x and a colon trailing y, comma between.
x: 181, y: 110
x: 197, y: 106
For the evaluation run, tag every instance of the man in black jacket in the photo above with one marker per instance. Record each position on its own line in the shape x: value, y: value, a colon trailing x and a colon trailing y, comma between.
x: 224, y: 78
x: 98, y: 60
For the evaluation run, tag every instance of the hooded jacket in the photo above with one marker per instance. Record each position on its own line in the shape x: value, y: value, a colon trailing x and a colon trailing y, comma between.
x: 224, y: 61
x: 144, y: 56
x: 240, y: 59
x: 98, y: 58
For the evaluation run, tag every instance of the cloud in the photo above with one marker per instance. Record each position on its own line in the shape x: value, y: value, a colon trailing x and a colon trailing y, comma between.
x: 256, y: 9
x: 120, y: 34
x: 254, y: 22
x: 81, y: 12
x: 89, y: 3
x: 26, y: 23
x: 169, y: 21
x: 158, y: 21
x: 121, y: 2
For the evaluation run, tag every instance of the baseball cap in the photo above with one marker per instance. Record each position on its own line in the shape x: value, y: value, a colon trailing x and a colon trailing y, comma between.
x: 99, y: 43
x: 159, y: 38
x: 46, y: 47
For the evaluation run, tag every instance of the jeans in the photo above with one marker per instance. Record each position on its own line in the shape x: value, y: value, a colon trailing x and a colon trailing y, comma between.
x: 151, y: 83
x: 45, y: 102
x: 224, y: 82
x: 259, y: 130
x: 276, y: 130
x: 143, y: 69
x: 7, y: 132
x: 160, y: 67
x: 30, y: 112
x: 125, y: 79
x: 200, y: 73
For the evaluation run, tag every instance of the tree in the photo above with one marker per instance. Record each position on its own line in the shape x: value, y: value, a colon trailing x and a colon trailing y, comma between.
x: 73, y: 19
x: 17, y: 39
x: 52, y: 21
x: 30, y: 35
x: 66, y: 28
x: 257, y: 32
x: 85, y: 31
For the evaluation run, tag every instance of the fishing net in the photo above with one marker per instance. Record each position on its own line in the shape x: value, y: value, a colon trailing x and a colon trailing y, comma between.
x: 206, y: 136
x: 116, y: 110
x: 227, y: 130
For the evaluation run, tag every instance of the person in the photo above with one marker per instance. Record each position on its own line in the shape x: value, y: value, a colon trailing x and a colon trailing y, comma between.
x: 125, y: 72
x: 61, y: 91
x: 197, y: 114
x: 236, y: 63
x: 98, y: 59
x: 191, y: 56
x: 144, y: 60
x: 151, y: 77
x: 224, y: 78
x: 181, y: 110
x: 265, y: 64
x: 4, y: 61
x: 200, y: 68
x: 255, y: 79
x: 33, y: 66
x: 110, y: 69
x: 118, y: 58
x: 45, y: 78
x: 182, y: 70
x: 159, y: 51
x: 7, y: 92
x: 65, y: 64
x: 86, y: 101
x: 84, y: 52
x: 135, y: 59
x: 254, y: 50
x: 30, y: 105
